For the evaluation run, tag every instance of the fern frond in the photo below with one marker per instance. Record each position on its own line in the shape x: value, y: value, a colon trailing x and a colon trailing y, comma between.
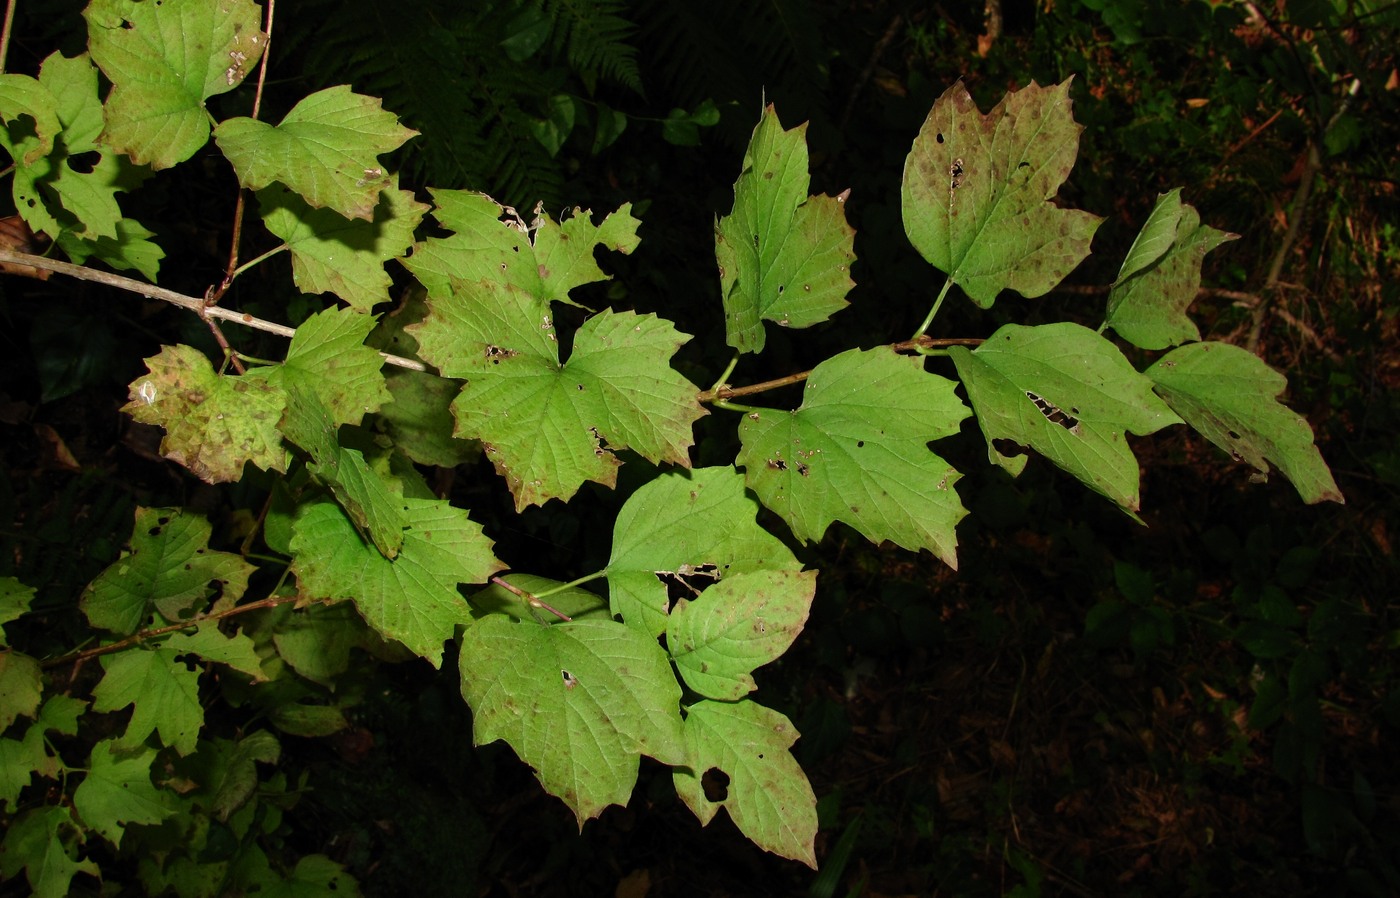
x: 594, y: 37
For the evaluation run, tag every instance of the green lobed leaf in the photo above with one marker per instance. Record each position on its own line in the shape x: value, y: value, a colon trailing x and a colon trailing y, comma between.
x: 412, y: 598
x: 328, y: 355
x: 544, y: 258
x: 164, y: 60
x: 167, y: 567
x: 315, y: 876
x: 1231, y: 397
x: 857, y: 451
x: 367, y: 498
x: 163, y: 691
x: 19, y: 758
x: 1147, y: 304
x: 15, y: 598
x: 783, y: 256
x: 735, y: 626
x: 769, y: 798
x: 21, y: 95
x: 579, y: 702
x: 326, y: 150
x: 129, y: 250
x: 37, y: 842
x: 549, y: 427
x: 228, y: 772
x: 316, y: 641
x: 117, y: 790
x: 21, y: 687
x: 213, y: 423
x: 690, y: 528
x: 344, y: 256
x: 1070, y: 395
x: 977, y: 192
x: 418, y: 418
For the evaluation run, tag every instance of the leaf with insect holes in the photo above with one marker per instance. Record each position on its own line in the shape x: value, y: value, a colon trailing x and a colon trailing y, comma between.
x: 1160, y: 276
x: 579, y: 702
x: 326, y: 150
x: 735, y: 626
x: 68, y: 192
x: 1231, y: 397
x: 213, y: 424
x: 549, y: 427
x: 411, y: 598
x: 686, y: 530
x: 544, y: 258
x: 117, y: 790
x: 164, y: 60
x: 168, y: 568
x: 1067, y: 393
x: 163, y: 691
x: 42, y: 842
x: 977, y: 192
x: 15, y: 598
x: 344, y: 256
x: 857, y: 451
x: 783, y: 256
x: 768, y: 795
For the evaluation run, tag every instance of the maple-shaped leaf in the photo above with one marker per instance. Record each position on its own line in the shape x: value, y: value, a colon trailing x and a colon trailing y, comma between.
x: 344, y: 256
x: 19, y: 758
x: 692, y: 528
x: 579, y: 702
x: 549, y: 427
x: 41, y: 842
x: 326, y: 150
x: 164, y: 60
x: 328, y: 356
x: 1067, y: 393
x: 367, y: 498
x: 51, y: 194
x: 1161, y: 274
x: 117, y: 790
x: 1231, y: 397
x: 977, y: 192
x: 544, y: 258
x: 167, y: 567
x: 15, y: 598
x: 130, y: 250
x: 163, y: 691
x: 411, y: 598
x: 735, y: 626
x: 768, y: 797
x: 783, y: 256
x: 857, y: 451
x: 213, y: 423
x: 21, y: 687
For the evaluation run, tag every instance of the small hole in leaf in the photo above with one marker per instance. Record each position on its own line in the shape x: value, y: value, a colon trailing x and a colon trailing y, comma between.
x: 84, y: 163
x: 1007, y: 448
x: 939, y: 137
x: 715, y: 783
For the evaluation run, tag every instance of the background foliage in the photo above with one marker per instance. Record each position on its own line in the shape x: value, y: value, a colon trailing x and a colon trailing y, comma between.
x: 1199, y: 706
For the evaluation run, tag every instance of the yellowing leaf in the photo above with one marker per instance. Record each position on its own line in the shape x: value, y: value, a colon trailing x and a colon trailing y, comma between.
x: 977, y: 192
x: 326, y: 150
x: 164, y: 60
x: 213, y: 424
x: 783, y: 256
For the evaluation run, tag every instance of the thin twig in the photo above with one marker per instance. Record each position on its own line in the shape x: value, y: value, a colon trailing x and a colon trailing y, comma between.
x: 5, y: 34
x: 82, y: 657
x: 238, y: 207
x: 189, y: 303
x: 880, y: 46
x: 531, y: 600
